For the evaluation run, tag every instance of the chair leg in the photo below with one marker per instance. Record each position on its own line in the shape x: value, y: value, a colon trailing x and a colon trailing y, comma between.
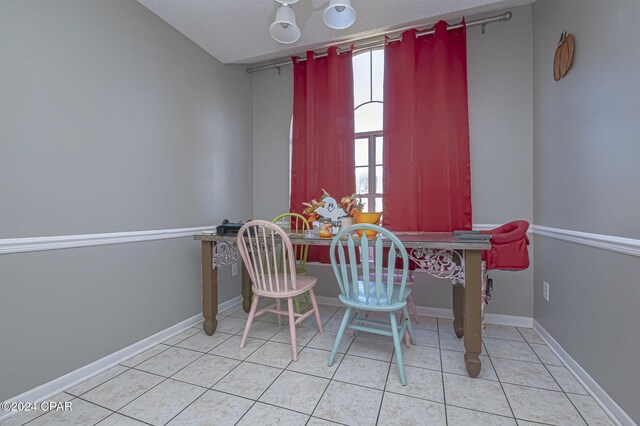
x: 315, y: 307
x: 252, y: 312
x: 292, y: 328
x: 296, y: 301
x: 412, y: 309
x: 398, y: 348
x: 336, y: 344
x: 278, y: 307
x: 410, y: 332
x: 307, y: 300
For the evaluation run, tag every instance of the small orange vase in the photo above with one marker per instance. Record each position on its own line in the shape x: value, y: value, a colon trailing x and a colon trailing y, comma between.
x: 371, y: 218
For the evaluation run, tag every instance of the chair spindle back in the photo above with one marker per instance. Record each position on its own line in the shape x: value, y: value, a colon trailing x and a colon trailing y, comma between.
x: 377, y: 292
x: 268, y: 255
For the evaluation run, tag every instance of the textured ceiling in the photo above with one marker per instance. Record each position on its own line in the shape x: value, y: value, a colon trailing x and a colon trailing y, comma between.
x: 237, y: 31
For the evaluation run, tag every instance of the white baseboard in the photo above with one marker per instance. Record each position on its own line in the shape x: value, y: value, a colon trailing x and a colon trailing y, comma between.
x: 48, y: 390
x: 602, y: 398
x: 499, y: 319
x: 229, y: 304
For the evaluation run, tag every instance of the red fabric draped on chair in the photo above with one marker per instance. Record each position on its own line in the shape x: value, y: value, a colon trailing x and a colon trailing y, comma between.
x: 427, y: 173
x: 323, y: 149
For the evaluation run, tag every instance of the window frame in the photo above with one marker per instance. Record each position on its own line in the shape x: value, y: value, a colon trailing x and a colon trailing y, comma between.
x: 373, y: 193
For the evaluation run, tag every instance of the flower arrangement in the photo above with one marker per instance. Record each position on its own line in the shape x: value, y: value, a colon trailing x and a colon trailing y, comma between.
x: 350, y: 204
x: 312, y: 206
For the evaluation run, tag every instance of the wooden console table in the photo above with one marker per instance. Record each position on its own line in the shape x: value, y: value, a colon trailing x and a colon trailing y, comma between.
x: 439, y: 254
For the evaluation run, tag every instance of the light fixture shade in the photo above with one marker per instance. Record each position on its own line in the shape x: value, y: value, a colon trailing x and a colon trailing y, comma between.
x: 284, y: 29
x: 339, y: 14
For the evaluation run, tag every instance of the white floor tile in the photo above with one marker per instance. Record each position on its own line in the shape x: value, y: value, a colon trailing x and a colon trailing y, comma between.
x: 119, y: 420
x: 590, y: 410
x: 96, y: 380
x: 162, y: 403
x: 402, y: 410
x: 546, y: 355
x: 530, y: 335
x: 26, y: 416
x: 420, y: 356
x: 295, y: 391
x: 540, y: 405
x: 565, y: 379
x: 143, y: 356
x: 213, y: 408
x: 273, y: 354
x: 349, y: 404
x: 206, y: 371
x: 263, y: 414
x: 202, y: 343
x: 380, y: 349
x: 248, y: 380
x: 231, y: 348
x: 183, y: 335
x: 524, y: 373
x: 314, y: 361
x: 303, y: 335
x: 453, y: 362
x: 325, y: 341
x: 502, y: 332
x: 451, y: 342
x: 121, y: 390
x: 476, y: 394
x: 462, y: 417
x: 520, y: 351
x: 426, y: 337
x: 426, y: 323
x: 362, y: 371
x: 231, y: 325
x: 263, y: 330
x: 169, y: 362
x: 82, y: 413
x: 421, y: 383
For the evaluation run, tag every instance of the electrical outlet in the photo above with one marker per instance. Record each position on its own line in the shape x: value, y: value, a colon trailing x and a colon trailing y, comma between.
x: 545, y: 290
x: 234, y: 269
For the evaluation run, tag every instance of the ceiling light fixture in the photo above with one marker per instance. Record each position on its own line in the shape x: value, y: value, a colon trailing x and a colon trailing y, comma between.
x: 284, y: 29
x: 338, y: 15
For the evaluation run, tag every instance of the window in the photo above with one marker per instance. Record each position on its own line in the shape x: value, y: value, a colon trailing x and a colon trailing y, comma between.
x: 368, y: 76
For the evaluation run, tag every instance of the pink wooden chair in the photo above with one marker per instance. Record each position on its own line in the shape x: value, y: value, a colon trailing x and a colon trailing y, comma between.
x: 270, y: 259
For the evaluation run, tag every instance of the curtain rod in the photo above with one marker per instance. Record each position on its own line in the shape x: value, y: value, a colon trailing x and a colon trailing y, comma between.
x: 376, y: 44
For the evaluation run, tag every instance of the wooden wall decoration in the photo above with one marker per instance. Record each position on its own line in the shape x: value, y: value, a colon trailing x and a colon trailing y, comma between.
x: 563, y: 57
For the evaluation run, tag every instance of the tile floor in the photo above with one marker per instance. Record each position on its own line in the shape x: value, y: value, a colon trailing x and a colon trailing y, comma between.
x: 195, y: 379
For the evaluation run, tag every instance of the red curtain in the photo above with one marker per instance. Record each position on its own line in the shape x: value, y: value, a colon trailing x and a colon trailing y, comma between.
x: 427, y: 173
x: 323, y: 134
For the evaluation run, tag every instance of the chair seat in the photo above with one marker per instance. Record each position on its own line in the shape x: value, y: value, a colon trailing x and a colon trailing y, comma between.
x: 359, y: 300
x: 304, y: 283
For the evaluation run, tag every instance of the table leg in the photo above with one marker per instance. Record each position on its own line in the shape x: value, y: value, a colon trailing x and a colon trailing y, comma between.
x: 458, y: 309
x: 247, y: 293
x: 472, y: 312
x: 209, y: 288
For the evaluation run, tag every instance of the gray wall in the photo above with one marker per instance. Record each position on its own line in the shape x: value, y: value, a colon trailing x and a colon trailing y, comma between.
x: 110, y: 120
x: 500, y: 114
x: 586, y: 179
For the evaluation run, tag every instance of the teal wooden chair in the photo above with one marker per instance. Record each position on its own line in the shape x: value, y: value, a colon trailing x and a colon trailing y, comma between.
x: 373, y: 288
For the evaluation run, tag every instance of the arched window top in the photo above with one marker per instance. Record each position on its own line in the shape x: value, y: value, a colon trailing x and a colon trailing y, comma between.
x: 368, y: 77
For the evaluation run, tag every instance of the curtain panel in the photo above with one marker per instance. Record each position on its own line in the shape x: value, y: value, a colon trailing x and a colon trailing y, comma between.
x: 427, y: 172
x: 323, y: 132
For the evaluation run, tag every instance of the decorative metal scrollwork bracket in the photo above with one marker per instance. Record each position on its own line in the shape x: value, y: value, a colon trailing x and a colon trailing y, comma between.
x: 444, y: 264
x: 225, y: 253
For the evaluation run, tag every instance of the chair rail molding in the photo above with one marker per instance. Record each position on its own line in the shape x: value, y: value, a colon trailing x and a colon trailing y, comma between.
x: 24, y: 245
x: 613, y: 243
